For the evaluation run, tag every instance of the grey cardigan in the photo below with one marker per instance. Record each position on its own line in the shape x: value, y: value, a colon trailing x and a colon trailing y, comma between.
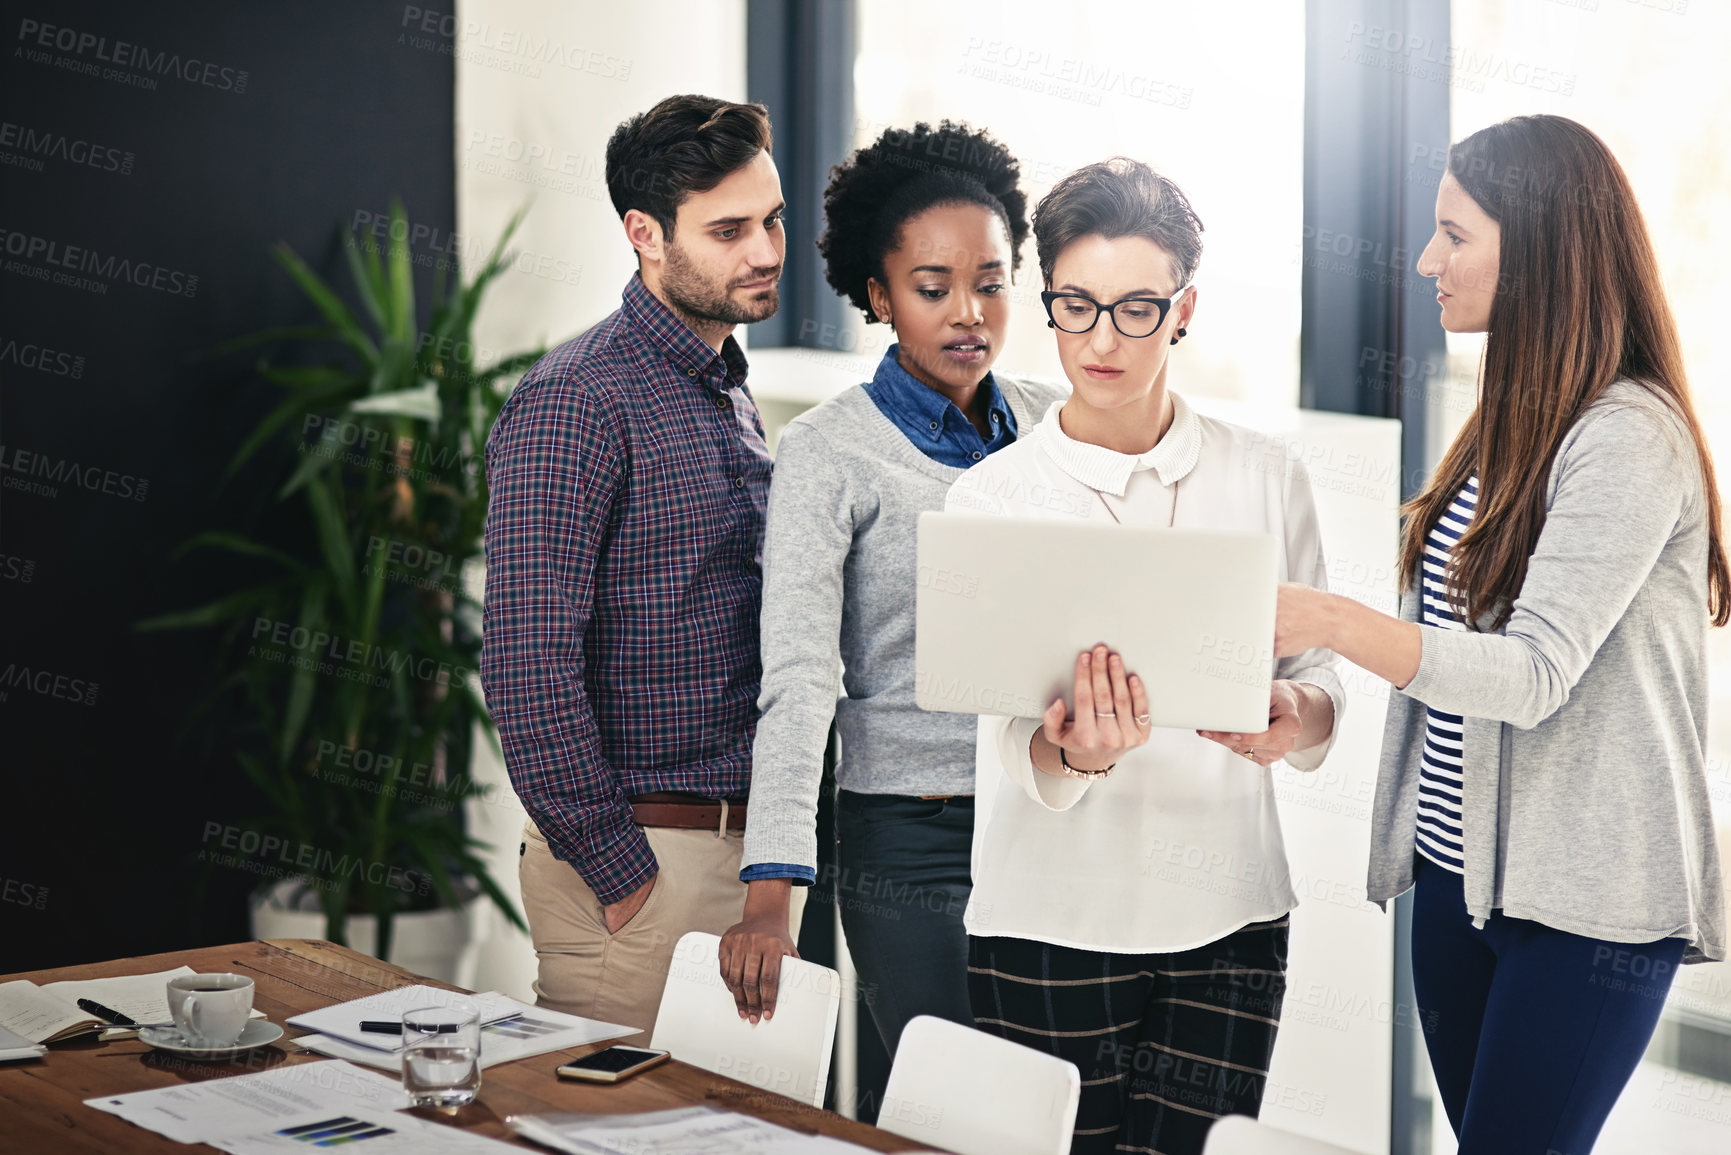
x: 1584, y: 800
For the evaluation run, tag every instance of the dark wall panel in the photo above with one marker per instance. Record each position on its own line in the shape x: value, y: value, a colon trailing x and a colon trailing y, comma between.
x: 148, y: 160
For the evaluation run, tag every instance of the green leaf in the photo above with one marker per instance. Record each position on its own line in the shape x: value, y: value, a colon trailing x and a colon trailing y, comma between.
x: 500, y: 899
x: 266, y: 337
x: 496, y: 263
x: 235, y: 543
x: 430, y: 860
x: 210, y: 614
x: 472, y: 690
x: 375, y: 269
x: 300, y: 697
x: 369, y: 286
x: 303, y: 404
x: 327, y: 303
x: 333, y: 537
x: 310, y: 376
x: 315, y: 460
x: 274, y: 787
x: 510, y: 366
x: 420, y: 403
x: 401, y: 302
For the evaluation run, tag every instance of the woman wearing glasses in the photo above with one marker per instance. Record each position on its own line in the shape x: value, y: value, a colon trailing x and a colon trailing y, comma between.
x: 1542, y: 788
x: 1131, y: 893
x: 923, y: 231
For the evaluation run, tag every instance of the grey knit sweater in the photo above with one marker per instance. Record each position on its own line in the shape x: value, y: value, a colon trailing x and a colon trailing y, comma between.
x: 839, y: 581
x: 1584, y: 799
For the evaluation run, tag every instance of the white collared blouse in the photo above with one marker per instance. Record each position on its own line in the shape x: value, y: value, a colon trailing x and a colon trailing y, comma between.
x: 1181, y: 845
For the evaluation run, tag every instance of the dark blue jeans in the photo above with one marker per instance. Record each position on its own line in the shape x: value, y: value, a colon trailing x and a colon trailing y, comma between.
x: 904, y: 882
x: 1532, y: 1032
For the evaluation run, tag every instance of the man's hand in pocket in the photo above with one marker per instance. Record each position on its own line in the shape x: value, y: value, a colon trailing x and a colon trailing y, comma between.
x: 619, y: 913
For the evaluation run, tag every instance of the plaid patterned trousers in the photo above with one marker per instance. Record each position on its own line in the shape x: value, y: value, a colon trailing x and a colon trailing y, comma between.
x: 1165, y: 1043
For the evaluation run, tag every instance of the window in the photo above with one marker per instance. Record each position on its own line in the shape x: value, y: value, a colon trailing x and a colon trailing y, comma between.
x: 1063, y: 85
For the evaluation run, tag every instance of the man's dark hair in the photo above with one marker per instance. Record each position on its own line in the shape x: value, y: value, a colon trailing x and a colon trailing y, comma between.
x: 1114, y: 198
x: 685, y: 144
x: 901, y: 175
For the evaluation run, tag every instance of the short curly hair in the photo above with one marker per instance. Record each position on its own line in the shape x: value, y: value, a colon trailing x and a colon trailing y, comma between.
x: 903, y: 173
x: 1118, y: 197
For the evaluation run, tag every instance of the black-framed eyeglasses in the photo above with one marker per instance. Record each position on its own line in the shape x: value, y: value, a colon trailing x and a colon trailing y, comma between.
x: 1131, y: 316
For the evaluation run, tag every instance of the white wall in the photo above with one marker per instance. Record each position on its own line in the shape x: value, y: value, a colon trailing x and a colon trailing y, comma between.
x: 532, y: 128
x: 541, y: 84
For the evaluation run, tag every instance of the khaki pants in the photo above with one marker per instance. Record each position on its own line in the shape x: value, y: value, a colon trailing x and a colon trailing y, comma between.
x: 618, y: 978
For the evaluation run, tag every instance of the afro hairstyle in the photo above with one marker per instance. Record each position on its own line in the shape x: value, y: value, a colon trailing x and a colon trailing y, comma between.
x: 903, y: 173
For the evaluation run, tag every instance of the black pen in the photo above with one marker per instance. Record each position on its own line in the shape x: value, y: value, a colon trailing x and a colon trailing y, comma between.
x: 112, y: 1017
x: 378, y: 1027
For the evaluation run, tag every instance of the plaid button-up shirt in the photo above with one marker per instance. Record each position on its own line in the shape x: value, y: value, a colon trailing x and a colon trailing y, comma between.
x: 628, y: 476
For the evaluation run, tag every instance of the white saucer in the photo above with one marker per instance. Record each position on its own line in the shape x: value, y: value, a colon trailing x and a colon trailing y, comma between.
x: 256, y: 1033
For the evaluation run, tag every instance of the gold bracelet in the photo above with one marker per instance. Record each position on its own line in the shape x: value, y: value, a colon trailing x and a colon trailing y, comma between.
x: 1073, y: 772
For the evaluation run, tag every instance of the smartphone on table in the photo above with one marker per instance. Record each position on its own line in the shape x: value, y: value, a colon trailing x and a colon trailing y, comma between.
x: 612, y: 1064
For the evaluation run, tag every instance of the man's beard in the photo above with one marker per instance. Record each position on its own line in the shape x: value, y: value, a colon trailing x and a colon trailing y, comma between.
x: 701, y: 299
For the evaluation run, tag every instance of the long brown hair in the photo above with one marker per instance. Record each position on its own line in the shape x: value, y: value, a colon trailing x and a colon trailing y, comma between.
x: 1578, y: 305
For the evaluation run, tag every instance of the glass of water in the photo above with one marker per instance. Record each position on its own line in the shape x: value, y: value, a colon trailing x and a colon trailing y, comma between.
x: 442, y: 1060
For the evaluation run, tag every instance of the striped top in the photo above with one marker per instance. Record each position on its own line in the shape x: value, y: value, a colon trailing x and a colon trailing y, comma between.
x: 1439, y: 783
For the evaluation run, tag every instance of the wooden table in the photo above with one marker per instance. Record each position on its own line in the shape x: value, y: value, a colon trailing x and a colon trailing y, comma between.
x: 42, y: 1103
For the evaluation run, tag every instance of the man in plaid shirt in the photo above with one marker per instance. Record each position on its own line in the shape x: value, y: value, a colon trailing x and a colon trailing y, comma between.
x: 628, y: 477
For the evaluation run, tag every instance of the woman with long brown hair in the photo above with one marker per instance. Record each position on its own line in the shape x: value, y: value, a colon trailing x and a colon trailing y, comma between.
x: 1542, y: 785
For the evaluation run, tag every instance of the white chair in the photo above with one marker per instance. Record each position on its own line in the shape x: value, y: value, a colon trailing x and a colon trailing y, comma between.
x: 789, y: 1054
x: 1242, y: 1135
x: 976, y: 1094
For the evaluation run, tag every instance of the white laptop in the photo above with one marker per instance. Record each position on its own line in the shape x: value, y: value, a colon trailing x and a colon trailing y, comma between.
x: 1005, y: 605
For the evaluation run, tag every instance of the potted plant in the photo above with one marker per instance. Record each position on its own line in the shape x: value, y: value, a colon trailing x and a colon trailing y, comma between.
x: 356, y: 653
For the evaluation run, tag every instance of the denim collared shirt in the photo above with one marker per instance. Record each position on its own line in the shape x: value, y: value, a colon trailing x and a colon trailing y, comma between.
x: 932, y: 422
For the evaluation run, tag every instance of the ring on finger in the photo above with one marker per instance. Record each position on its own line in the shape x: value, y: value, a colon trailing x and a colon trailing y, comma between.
x: 1105, y: 713
x: 1142, y: 719
x: 1250, y: 753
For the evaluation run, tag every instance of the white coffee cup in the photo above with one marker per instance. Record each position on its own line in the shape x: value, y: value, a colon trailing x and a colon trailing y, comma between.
x: 210, y: 1009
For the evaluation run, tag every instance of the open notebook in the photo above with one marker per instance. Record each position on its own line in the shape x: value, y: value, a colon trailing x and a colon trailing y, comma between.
x: 50, y: 1013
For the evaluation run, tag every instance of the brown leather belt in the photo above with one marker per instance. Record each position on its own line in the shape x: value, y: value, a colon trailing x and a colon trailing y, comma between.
x: 687, y: 811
